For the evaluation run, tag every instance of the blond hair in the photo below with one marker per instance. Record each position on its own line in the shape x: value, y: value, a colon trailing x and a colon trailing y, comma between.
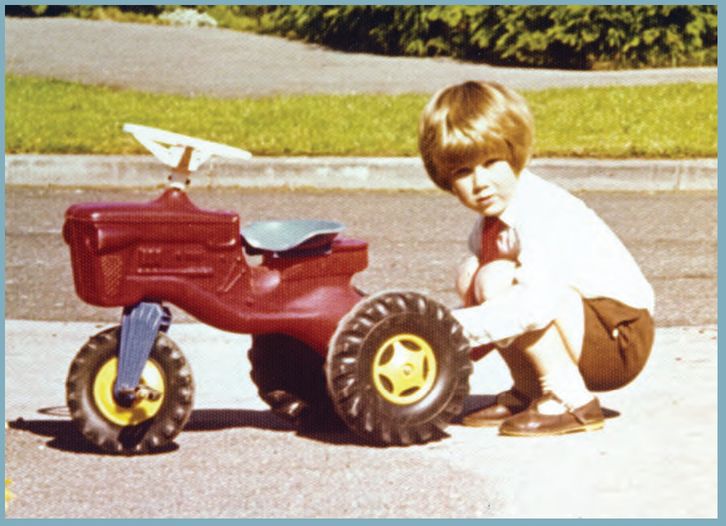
x: 465, y: 121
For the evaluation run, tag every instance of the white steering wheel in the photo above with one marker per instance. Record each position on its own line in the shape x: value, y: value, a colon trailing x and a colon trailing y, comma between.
x: 181, y: 152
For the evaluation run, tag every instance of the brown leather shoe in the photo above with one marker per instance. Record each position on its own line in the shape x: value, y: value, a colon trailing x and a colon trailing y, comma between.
x: 507, y: 403
x: 531, y: 422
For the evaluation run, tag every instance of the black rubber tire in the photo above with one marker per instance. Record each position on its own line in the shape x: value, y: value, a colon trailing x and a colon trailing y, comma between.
x: 349, y: 368
x: 156, y: 433
x: 290, y: 378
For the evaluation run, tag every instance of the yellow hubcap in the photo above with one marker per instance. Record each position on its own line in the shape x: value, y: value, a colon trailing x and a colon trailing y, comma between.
x: 404, y: 369
x: 139, y: 411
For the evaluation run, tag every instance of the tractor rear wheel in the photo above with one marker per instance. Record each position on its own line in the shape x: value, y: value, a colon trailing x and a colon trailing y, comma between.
x: 398, y: 368
x: 290, y: 378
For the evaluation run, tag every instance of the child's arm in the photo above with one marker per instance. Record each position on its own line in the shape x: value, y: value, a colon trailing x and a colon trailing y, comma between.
x: 467, y: 269
x: 465, y: 273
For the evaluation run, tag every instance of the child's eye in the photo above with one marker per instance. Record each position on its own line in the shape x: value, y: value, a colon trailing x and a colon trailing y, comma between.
x: 461, y: 172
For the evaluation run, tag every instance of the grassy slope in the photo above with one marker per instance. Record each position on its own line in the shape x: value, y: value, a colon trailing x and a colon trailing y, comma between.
x: 46, y: 116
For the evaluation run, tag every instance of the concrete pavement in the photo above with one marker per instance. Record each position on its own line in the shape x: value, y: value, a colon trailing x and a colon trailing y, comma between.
x: 656, y: 456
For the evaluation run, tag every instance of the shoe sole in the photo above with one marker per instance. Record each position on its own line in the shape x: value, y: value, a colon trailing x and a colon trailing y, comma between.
x: 594, y: 426
x: 468, y: 421
x: 481, y: 424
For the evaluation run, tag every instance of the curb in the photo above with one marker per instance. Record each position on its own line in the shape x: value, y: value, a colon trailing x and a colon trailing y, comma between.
x: 347, y: 173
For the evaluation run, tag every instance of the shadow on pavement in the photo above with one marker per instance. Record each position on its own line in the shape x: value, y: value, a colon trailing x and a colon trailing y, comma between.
x: 327, y: 431
x: 216, y: 419
x: 65, y: 437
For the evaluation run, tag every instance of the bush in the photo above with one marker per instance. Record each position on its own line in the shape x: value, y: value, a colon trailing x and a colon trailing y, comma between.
x: 541, y: 36
x: 563, y: 36
x: 80, y: 11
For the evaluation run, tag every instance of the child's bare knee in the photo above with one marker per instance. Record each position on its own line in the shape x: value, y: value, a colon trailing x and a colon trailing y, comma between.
x: 494, y: 279
x: 465, y: 275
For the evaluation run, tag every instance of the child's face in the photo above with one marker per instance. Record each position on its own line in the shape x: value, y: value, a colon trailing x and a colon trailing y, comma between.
x: 485, y: 185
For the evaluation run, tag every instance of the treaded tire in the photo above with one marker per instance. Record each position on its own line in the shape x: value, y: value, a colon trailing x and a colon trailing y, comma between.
x: 152, y: 434
x: 360, y: 349
x: 290, y: 378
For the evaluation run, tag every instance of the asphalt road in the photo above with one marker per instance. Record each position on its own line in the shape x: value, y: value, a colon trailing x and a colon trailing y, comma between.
x: 235, y: 459
x: 227, y: 63
x: 415, y: 240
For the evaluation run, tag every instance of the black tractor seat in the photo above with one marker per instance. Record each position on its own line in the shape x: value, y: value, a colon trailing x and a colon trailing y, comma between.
x: 288, y: 236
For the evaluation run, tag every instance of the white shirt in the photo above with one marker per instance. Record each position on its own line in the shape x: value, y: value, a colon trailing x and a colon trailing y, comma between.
x: 563, y: 243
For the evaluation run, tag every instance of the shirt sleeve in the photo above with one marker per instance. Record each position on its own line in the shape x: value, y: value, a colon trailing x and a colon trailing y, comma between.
x: 523, y: 308
x: 532, y: 303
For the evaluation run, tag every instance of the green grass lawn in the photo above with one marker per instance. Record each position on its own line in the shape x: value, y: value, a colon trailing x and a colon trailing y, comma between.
x: 47, y: 116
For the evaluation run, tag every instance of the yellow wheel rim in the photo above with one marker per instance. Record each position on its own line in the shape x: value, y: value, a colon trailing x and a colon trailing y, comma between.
x: 139, y: 411
x: 404, y: 369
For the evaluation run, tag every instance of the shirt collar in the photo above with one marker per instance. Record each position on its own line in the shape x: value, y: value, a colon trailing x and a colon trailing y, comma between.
x: 517, y: 205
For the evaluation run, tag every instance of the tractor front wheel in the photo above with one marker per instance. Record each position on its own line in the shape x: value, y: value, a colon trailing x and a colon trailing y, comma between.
x: 148, y: 424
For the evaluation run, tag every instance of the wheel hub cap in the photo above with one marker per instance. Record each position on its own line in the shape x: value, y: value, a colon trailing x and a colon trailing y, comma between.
x: 142, y: 410
x: 404, y: 369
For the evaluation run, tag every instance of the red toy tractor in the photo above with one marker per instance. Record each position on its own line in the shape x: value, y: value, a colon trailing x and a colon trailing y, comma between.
x: 393, y: 367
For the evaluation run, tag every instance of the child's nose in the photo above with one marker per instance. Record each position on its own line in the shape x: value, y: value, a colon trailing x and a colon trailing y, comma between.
x: 480, y: 177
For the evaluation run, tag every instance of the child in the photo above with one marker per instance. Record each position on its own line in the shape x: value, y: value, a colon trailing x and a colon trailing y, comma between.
x: 548, y: 282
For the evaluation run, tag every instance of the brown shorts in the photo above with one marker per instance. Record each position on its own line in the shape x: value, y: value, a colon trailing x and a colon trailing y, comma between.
x: 616, y: 345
